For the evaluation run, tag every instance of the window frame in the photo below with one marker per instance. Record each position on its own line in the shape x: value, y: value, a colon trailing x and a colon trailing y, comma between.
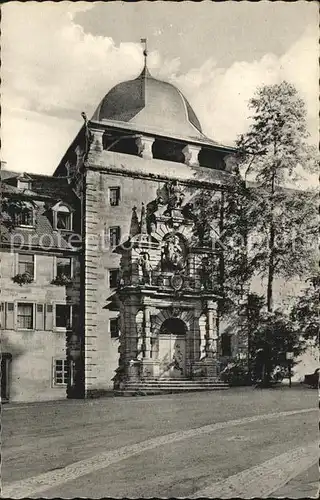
x: 119, y: 236
x: 18, y: 224
x: 110, y: 270
x: 54, y: 372
x: 61, y: 328
x: 61, y: 208
x: 116, y: 189
x: 116, y: 319
x: 55, y: 264
x: 18, y: 263
x: 33, y: 317
x: 24, y: 181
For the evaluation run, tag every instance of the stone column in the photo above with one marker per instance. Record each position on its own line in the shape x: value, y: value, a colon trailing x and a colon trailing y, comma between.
x: 147, y: 333
x: 97, y: 140
x: 191, y: 153
x: 144, y: 144
x: 212, y: 334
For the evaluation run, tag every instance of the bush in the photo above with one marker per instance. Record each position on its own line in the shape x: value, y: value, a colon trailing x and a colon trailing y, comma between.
x: 236, y: 374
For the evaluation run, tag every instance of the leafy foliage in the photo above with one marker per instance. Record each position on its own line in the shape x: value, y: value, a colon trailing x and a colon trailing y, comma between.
x: 306, y: 311
x: 273, y: 149
x: 11, y: 209
x: 236, y: 373
x: 22, y: 279
x: 61, y: 280
x: 267, y: 229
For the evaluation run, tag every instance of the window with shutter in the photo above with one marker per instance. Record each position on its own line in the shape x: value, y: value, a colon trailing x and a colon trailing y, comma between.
x: 40, y: 317
x: 9, y: 313
x: 2, y: 315
x: 25, y: 320
x: 49, y: 317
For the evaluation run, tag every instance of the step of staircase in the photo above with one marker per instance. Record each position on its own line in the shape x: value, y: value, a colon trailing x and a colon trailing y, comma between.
x: 169, y: 386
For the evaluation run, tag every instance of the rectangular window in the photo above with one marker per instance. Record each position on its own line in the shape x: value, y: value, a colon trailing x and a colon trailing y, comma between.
x: 25, y: 316
x: 113, y: 278
x: 63, y: 266
x: 226, y: 344
x: 114, y: 235
x: 60, y: 372
x: 114, y: 196
x: 63, y: 316
x: 114, y: 327
x: 26, y: 264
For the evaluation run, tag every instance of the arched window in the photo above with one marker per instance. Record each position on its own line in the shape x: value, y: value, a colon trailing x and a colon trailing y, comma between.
x: 63, y: 218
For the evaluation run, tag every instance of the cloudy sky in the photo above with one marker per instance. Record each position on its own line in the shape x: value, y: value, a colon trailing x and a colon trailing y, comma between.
x: 59, y: 59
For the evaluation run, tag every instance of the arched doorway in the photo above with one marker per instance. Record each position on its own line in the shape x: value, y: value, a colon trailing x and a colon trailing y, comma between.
x: 172, y: 348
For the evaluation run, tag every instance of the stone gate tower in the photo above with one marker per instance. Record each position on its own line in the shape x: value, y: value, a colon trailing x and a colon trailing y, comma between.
x: 168, y: 295
x: 144, y: 145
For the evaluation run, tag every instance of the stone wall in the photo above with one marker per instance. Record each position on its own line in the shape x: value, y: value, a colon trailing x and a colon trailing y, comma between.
x: 138, y: 180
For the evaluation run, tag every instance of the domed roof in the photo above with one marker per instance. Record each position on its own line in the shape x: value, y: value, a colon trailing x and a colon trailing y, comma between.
x: 150, y: 105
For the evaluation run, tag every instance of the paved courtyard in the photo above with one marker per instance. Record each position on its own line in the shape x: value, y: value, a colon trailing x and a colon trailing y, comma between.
x: 239, y: 442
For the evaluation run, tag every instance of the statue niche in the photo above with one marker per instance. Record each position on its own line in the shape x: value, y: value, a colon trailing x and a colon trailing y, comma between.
x: 206, y: 271
x: 173, y: 254
x: 145, y: 265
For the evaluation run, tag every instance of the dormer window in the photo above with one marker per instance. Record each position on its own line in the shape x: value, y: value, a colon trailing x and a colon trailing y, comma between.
x: 62, y: 218
x: 21, y: 213
x: 25, y: 216
x: 23, y: 184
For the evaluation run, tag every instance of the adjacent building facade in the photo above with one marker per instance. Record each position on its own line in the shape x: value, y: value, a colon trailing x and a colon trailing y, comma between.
x: 39, y: 285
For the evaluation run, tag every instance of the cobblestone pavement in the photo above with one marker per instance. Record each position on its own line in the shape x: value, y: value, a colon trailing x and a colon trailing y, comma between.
x: 247, y: 442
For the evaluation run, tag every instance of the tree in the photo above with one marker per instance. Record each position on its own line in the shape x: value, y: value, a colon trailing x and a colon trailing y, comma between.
x: 274, y: 335
x: 306, y: 311
x: 273, y: 149
x: 265, y: 227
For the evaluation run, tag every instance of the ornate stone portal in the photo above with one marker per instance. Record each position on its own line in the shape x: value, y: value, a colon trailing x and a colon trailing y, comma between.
x: 168, y: 295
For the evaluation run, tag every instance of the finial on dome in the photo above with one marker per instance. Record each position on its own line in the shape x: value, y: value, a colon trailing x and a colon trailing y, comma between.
x: 145, y: 51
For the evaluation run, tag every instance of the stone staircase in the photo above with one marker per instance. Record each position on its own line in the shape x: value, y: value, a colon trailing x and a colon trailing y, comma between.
x: 170, y: 386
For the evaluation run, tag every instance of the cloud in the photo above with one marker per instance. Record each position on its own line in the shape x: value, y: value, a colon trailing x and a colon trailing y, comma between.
x: 52, y: 70
x: 220, y: 95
